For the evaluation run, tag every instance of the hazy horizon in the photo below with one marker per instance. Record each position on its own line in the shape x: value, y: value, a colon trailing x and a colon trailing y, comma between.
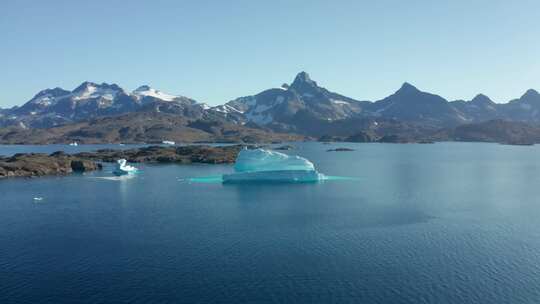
x: 215, y: 52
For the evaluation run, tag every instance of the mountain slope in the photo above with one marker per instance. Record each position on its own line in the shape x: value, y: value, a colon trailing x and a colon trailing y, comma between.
x: 480, y: 108
x: 142, y: 127
x: 526, y: 108
x: 500, y: 131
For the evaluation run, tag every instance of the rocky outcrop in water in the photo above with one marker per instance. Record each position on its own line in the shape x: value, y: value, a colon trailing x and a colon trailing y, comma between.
x: 39, y: 164
x: 160, y: 154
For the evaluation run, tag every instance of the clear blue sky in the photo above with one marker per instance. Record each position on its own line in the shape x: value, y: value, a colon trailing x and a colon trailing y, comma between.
x: 215, y: 51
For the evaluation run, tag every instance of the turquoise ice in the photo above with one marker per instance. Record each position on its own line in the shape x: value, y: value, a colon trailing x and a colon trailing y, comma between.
x: 270, y: 166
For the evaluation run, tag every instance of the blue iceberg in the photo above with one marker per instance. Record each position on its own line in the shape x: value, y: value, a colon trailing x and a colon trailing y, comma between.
x: 260, y: 165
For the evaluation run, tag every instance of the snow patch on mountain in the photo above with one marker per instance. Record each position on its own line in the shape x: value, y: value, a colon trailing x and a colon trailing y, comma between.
x: 339, y: 102
x: 226, y: 109
x: 145, y: 90
x: 45, y: 99
x: 95, y: 91
x: 204, y: 106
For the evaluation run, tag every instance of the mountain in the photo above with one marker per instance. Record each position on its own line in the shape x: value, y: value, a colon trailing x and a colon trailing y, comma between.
x: 87, y: 100
x: 150, y: 98
x: 303, y: 107
x: 526, y: 108
x: 295, y: 108
x: 409, y: 104
x: 145, y: 92
x: 480, y: 108
x: 53, y: 107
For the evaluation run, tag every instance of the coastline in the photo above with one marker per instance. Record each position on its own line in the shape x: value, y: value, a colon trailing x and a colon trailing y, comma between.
x: 61, y: 163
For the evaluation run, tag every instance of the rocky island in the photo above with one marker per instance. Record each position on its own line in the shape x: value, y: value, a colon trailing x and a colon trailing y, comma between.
x: 40, y: 164
x: 60, y: 163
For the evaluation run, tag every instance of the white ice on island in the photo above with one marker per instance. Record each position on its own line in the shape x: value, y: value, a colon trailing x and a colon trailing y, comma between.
x: 270, y: 166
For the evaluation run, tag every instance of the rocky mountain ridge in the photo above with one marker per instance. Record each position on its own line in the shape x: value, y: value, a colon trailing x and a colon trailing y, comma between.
x: 303, y: 107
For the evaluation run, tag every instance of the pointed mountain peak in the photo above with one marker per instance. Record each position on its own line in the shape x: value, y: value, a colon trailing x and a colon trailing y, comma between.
x: 143, y: 88
x: 531, y: 93
x: 303, y: 76
x: 85, y: 86
x: 481, y: 98
x: 407, y: 87
x: 303, y: 80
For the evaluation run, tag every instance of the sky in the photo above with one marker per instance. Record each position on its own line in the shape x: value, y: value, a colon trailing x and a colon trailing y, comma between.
x: 215, y: 51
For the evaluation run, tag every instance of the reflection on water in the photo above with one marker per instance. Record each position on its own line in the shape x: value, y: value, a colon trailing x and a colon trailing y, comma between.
x: 217, y: 179
x: 117, y: 178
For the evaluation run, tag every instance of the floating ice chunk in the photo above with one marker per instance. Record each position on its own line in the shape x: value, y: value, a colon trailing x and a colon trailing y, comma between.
x: 270, y: 166
x: 266, y: 160
x: 123, y: 168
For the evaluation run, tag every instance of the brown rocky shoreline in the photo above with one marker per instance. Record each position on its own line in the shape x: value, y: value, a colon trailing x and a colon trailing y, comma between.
x: 60, y: 163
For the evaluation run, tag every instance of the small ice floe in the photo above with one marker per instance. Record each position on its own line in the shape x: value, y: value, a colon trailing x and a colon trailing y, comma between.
x: 122, y: 168
x: 74, y: 144
x: 168, y: 142
x: 38, y: 199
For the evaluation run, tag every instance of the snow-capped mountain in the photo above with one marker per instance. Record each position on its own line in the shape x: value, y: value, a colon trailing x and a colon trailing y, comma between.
x: 146, y: 94
x: 302, y: 107
x: 293, y: 107
x: 154, y: 100
x: 307, y: 108
x: 57, y: 106
x: 146, y: 91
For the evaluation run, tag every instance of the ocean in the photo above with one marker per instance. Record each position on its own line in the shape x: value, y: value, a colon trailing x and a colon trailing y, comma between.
x: 432, y: 223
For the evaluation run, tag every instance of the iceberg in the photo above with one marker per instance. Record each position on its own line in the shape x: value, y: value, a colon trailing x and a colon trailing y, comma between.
x: 122, y: 168
x: 260, y: 165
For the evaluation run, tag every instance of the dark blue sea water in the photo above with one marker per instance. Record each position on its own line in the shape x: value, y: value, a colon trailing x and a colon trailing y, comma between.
x: 442, y: 223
